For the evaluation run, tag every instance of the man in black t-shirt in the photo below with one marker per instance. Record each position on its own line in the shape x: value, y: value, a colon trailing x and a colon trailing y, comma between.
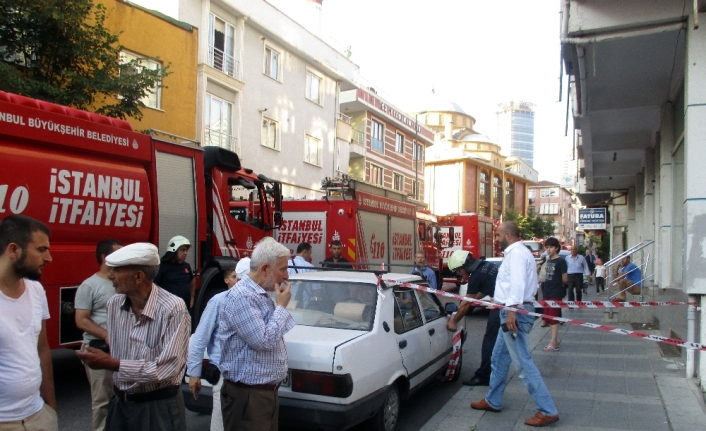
x: 553, y: 288
x: 336, y: 260
x: 481, y: 283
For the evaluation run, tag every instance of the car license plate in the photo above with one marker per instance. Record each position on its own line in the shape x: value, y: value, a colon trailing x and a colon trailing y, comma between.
x: 287, y: 380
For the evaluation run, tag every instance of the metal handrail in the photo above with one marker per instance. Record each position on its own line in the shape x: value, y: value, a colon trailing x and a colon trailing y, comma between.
x: 628, y: 252
x: 219, y: 139
x: 343, y: 117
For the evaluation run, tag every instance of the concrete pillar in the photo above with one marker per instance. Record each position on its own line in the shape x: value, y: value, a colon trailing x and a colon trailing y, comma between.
x: 657, y: 198
x: 666, y: 197
x: 648, y: 215
x: 632, y: 217
x: 694, y: 271
x: 639, y: 210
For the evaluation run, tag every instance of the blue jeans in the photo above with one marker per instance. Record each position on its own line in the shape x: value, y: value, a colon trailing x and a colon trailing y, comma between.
x: 507, y: 350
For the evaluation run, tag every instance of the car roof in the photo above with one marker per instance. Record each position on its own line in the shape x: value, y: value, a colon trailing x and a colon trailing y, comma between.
x: 354, y: 277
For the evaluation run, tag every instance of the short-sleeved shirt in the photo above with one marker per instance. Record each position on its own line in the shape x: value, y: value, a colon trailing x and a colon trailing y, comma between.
x: 20, y: 371
x: 93, y: 294
x: 483, y: 279
x: 553, y: 287
x: 634, y: 273
x: 175, y: 278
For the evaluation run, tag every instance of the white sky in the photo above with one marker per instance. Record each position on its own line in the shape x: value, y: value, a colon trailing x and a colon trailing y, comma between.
x: 477, y: 53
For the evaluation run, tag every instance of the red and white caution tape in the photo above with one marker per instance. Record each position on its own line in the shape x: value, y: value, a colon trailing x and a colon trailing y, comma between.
x: 672, y: 341
x: 603, y: 304
x: 452, y: 369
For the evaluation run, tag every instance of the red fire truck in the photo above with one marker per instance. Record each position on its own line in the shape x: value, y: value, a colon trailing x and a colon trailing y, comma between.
x: 375, y: 226
x: 90, y: 177
x: 472, y: 232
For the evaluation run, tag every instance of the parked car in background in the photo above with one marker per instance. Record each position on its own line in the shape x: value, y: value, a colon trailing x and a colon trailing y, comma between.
x: 536, y: 247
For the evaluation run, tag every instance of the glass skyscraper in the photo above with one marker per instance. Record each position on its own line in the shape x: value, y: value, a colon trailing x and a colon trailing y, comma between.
x: 516, y: 129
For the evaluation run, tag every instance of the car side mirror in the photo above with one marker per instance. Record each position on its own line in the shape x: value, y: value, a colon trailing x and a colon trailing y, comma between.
x: 450, y: 307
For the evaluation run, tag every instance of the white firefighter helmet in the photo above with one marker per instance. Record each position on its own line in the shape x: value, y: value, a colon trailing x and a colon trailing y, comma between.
x: 177, y: 242
x: 457, y: 259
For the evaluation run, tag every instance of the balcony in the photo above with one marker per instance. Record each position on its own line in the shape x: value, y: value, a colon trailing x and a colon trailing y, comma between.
x: 357, y: 147
x: 219, y: 139
x: 222, y: 62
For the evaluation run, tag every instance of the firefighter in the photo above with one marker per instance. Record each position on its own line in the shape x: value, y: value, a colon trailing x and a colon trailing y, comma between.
x: 175, y: 274
x: 481, y: 282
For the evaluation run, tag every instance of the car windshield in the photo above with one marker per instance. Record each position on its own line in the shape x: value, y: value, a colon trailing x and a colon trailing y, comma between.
x: 329, y: 304
x: 533, y: 245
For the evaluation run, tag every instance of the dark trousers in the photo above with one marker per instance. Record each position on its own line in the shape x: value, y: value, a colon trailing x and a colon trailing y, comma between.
x: 600, y: 284
x: 491, y: 334
x: 159, y: 415
x: 575, y: 282
x: 249, y: 409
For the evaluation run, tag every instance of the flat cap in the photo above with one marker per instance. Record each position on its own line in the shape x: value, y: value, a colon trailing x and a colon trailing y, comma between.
x: 243, y: 267
x: 139, y: 253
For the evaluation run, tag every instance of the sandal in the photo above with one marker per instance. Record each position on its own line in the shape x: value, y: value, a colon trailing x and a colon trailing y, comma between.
x: 551, y: 349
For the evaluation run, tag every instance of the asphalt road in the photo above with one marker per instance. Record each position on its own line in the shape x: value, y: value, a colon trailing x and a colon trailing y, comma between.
x: 73, y: 393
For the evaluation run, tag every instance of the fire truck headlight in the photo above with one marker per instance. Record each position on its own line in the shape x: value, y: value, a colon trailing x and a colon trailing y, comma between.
x: 341, y: 212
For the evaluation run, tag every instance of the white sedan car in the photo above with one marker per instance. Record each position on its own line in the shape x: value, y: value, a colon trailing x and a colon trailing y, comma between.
x: 357, y: 352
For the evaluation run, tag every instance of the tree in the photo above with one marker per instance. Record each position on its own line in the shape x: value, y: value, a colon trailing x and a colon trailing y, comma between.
x: 60, y: 51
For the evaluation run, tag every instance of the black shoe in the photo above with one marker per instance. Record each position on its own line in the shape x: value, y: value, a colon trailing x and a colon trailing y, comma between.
x: 475, y: 381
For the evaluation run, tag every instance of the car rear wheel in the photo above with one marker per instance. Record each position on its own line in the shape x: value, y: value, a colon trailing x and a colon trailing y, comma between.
x: 388, y: 417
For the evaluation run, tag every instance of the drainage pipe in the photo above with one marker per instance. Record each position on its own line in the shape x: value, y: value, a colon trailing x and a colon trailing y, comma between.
x: 691, y: 336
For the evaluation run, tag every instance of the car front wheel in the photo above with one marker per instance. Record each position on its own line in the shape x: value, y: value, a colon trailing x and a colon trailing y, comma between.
x: 388, y: 417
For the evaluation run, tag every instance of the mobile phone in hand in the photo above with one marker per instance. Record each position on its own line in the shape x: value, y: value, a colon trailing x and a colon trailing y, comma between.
x: 506, y: 329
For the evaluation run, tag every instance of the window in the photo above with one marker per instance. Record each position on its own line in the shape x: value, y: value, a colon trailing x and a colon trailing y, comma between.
x: 407, y: 314
x: 272, y: 63
x: 497, y: 197
x: 417, y: 153
x: 312, y: 150
x: 153, y: 98
x: 484, y: 188
x: 217, y: 123
x: 377, y: 136
x: 398, y: 182
x: 221, y: 45
x: 430, y: 306
x: 399, y: 143
x: 549, y: 209
x: 532, y: 194
x: 549, y: 193
x: 313, y: 87
x: 376, y: 174
x: 270, y: 133
x: 509, y: 194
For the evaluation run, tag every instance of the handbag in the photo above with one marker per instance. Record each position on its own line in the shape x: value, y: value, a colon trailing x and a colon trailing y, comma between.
x: 211, y: 373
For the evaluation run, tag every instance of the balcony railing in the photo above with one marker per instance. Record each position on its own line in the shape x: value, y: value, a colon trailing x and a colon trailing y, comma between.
x: 222, y: 61
x: 345, y: 118
x: 357, y: 137
x: 219, y: 139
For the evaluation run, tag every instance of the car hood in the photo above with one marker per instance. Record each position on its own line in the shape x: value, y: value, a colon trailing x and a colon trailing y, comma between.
x: 311, y: 348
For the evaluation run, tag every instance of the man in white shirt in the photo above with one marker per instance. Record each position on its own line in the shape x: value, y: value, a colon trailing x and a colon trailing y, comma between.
x: 516, y: 285
x: 27, y: 399
x: 301, y: 262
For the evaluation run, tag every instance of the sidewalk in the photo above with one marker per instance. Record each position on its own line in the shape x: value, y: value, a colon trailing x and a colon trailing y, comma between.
x: 598, y: 380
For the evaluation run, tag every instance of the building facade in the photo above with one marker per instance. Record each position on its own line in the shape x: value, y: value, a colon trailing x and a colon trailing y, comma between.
x: 268, y: 89
x: 640, y: 137
x: 387, y: 145
x: 465, y: 171
x: 516, y: 129
x: 550, y: 200
x: 160, y: 40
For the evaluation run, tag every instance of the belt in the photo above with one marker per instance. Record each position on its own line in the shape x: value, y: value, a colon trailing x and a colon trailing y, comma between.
x: 528, y: 303
x: 142, y: 397
x: 266, y: 387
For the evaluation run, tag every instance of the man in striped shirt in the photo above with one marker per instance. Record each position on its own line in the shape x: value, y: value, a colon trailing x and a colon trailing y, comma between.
x: 148, y: 333
x: 250, y: 331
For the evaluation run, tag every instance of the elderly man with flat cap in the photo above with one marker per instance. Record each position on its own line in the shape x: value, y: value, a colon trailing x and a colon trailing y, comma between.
x: 148, y: 333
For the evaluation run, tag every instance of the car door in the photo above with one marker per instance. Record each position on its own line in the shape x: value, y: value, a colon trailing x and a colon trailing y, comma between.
x: 440, y: 339
x: 411, y: 336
